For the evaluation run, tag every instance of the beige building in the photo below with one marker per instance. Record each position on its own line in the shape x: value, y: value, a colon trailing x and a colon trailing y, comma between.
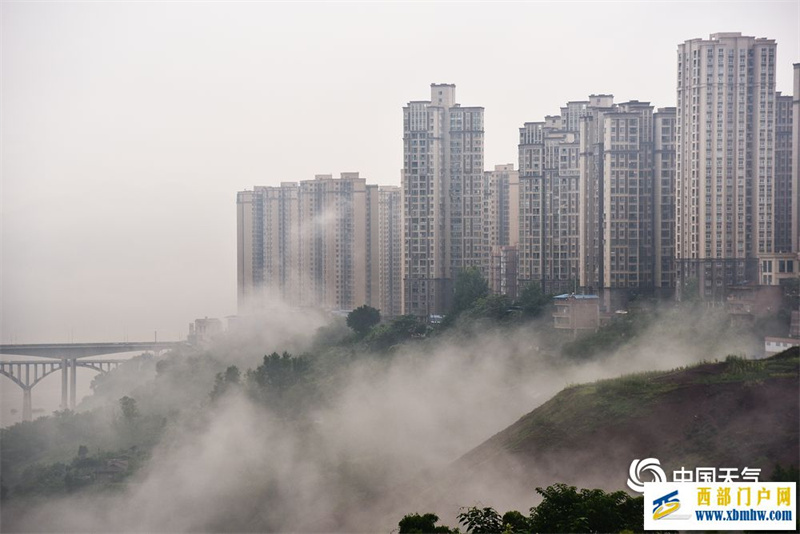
x: 504, y: 275
x: 333, y: 243
x: 385, y: 249
x: 549, y: 199
x: 333, y: 256
x: 625, y: 196
x: 596, y: 201
x: 268, y: 246
x: 774, y: 268
x: 443, y: 198
x: 725, y: 203
x: 629, y: 255
x: 591, y: 195
x: 281, y: 234
x: 501, y: 227
x: 250, y: 250
x: 664, y: 169
x: 501, y: 206
x: 785, y: 194
x: 576, y: 312
x: 796, y: 160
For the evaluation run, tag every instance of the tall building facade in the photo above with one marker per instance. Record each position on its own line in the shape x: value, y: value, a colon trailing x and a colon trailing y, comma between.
x: 549, y: 216
x: 281, y: 241
x: 625, y: 198
x: 796, y: 160
x: 664, y: 161
x: 443, y: 198
x: 333, y: 256
x: 591, y: 265
x: 596, y: 202
x: 785, y: 193
x: 501, y: 206
x: 250, y: 249
x: 385, y: 249
x: 501, y: 227
x: 328, y: 242
x: 725, y: 182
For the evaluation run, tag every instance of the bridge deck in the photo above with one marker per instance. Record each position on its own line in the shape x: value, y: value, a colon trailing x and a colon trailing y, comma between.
x: 85, y: 350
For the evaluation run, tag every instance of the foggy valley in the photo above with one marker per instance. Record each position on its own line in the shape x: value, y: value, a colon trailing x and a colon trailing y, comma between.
x: 349, y: 447
x: 526, y: 306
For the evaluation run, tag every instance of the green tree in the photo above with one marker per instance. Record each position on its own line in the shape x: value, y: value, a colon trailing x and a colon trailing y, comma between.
x: 226, y: 381
x: 363, y: 318
x: 494, y: 307
x: 481, y: 520
x: 470, y: 286
x: 565, y: 509
x: 270, y: 381
x: 533, y: 300
x: 423, y: 524
x: 515, y: 523
x: 397, y: 331
x: 129, y: 409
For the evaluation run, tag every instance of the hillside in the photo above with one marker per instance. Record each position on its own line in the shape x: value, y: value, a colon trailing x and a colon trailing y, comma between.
x: 738, y: 413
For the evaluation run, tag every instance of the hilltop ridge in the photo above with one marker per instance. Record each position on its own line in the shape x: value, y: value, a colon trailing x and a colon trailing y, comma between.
x: 736, y: 413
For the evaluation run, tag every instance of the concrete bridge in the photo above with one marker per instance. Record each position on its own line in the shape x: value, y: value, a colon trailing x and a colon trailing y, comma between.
x: 66, y: 357
x: 85, y: 350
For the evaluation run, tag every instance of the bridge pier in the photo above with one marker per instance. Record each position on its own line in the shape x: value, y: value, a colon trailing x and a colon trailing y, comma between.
x: 64, y: 384
x: 73, y: 382
x: 20, y: 373
x: 27, y: 411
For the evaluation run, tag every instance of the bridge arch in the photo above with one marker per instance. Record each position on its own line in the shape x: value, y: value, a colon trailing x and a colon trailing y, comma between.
x: 47, y: 368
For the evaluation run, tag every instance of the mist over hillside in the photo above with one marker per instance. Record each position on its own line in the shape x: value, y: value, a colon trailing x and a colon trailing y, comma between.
x: 338, y: 449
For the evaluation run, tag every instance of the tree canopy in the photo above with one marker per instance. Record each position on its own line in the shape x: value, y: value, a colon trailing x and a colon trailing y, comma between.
x: 423, y: 524
x: 470, y: 286
x: 363, y: 318
x: 397, y: 331
x: 278, y: 373
x: 226, y: 381
x: 533, y: 300
x: 563, y: 509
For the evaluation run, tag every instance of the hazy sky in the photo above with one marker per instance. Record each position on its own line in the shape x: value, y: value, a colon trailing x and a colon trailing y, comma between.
x: 127, y: 128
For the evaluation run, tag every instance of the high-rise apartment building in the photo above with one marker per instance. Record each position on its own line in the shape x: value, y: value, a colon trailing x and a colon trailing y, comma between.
x: 333, y: 232
x: 664, y: 125
x: 250, y: 249
x: 330, y: 242
x: 385, y: 249
x: 591, y: 186
x: 501, y: 206
x: 501, y: 227
x: 784, y: 193
x: 628, y: 209
x: 725, y: 182
x: 549, y: 217
x: 443, y: 198
x: 281, y: 244
x: 796, y: 160
x: 622, y: 198
x: 268, y: 228
x: 595, y: 189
